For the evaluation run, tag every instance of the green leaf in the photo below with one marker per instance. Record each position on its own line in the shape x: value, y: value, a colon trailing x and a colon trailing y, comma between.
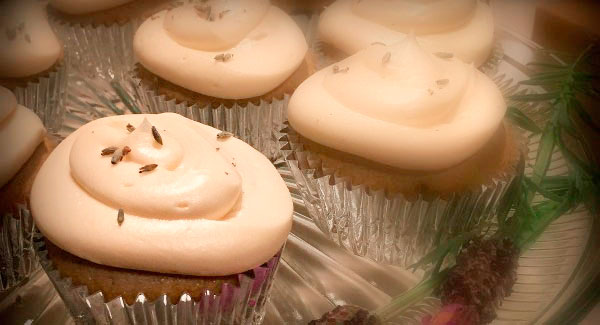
x: 522, y: 120
x: 544, y: 156
x: 546, y: 65
x: 535, y: 97
x: 547, y: 194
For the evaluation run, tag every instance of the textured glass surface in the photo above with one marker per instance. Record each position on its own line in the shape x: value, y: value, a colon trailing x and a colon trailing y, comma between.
x: 315, y: 273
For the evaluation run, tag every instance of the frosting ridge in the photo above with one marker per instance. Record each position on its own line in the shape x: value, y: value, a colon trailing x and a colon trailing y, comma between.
x: 400, y: 106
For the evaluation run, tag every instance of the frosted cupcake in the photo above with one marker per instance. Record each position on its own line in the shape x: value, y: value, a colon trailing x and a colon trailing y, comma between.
x: 395, y: 148
x: 23, y: 148
x: 98, y: 33
x: 151, y: 210
x: 461, y: 28
x: 31, y: 60
x: 229, y: 64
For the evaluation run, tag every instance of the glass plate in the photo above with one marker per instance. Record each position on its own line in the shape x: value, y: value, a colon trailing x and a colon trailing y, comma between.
x: 555, y: 277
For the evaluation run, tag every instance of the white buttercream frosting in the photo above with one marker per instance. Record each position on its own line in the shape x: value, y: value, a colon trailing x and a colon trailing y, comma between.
x: 400, y: 106
x: 21, y: 131
x: 462, y: 27
x: 210, y: 207
x: 79, y: 7
x: 229, y: 49
x: 28, y: 44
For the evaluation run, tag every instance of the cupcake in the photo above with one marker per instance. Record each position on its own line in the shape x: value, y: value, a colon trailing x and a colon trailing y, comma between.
x: 143, y: 212
x: 23, y: 148
x: 395, y: 149
x: 463, y: 28
x: 98, y: 33
x: 229, y: 64
x: 31, y: 60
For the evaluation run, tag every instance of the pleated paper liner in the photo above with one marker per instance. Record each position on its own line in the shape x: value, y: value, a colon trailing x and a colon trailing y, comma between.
x: 102, y: 50
x: 46, y: 96
x: 17, y: 255
x: 388, y: 229
x: 243, y: 304
x: 254, y: 123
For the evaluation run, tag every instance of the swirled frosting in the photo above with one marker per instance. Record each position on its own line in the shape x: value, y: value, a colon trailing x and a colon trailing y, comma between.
x: 226, y: 49
x: 21, y: 131
x: 195, y: 204
x: 400, y: 106
x: 462, y: 27
x: 80, y: 7
x: 28, y: 44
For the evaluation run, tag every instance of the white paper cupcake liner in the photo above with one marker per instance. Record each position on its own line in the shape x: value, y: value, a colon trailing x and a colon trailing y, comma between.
x: 17, y: 255
x: 255, y: 124
x: 46, y: 97
x: 390, y: 230
x: 104, y: 51
x: 243, y: 304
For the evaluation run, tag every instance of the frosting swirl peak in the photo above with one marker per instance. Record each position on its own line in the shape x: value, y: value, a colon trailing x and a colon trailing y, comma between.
x: 191, y: 179
x: 215, y: 25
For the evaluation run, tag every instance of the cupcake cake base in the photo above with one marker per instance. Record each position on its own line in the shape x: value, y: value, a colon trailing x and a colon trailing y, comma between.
x: 101, y: 294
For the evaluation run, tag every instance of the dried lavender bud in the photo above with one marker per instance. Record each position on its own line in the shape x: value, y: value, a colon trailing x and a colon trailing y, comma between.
x: 156, y: 135
x: 346, y: 315
x: 336, y: 69
x: 223, y: 57
x: 484, y: 275
x: 117, y: 157
x: 386, y: 58
x: 120, y: 216
x: 223, y: 13
x: 130, y: 127
x: 224, y: 135
x: 204, y: 11
x: 148, y: 168
x: 442, y: 82
x: 108, y: 151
